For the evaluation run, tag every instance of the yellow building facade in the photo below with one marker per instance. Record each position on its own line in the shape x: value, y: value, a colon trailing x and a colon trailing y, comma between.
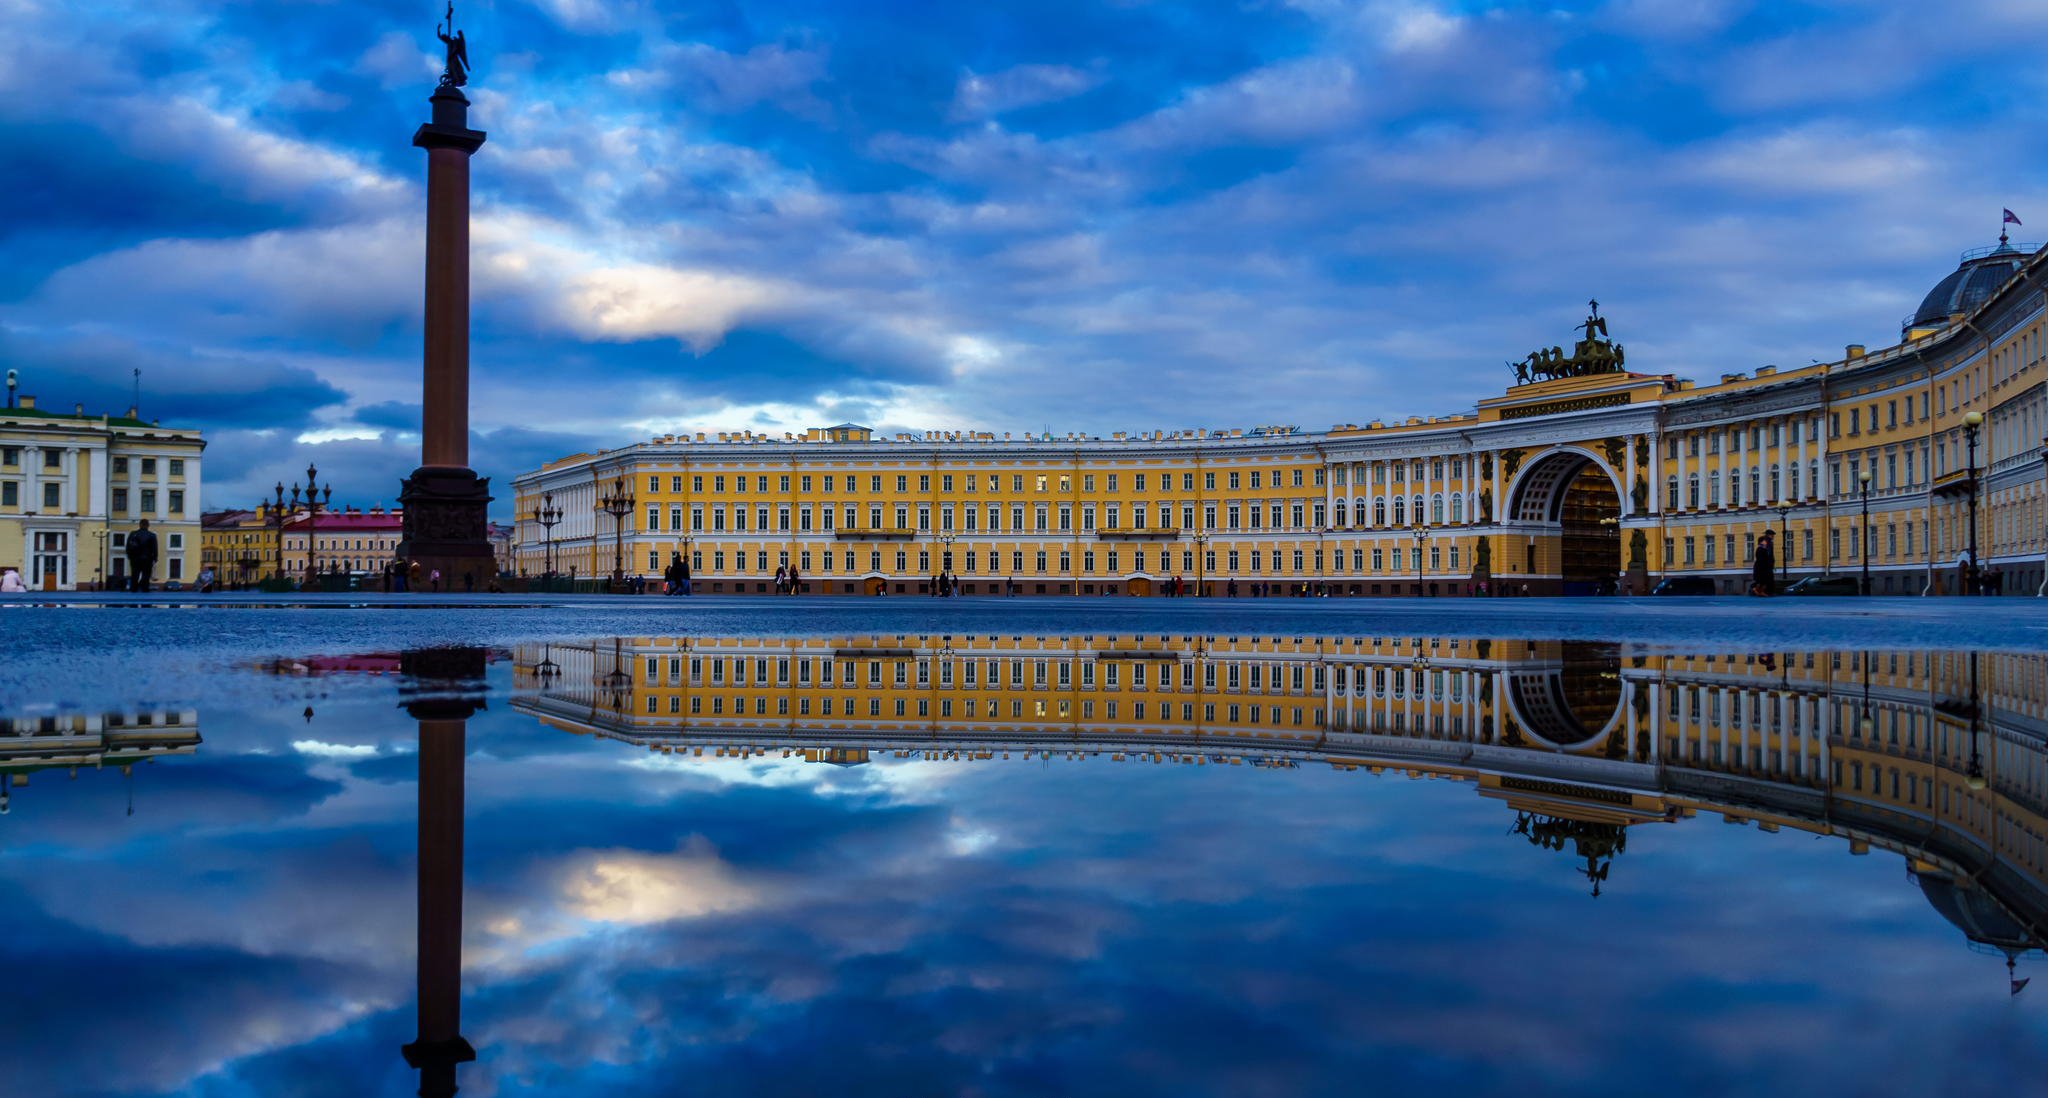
x: 72, y: 486
x: 1586, y: 475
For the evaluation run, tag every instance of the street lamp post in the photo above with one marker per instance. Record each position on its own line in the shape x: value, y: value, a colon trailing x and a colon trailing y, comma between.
x: 102, y: 535
x: 317, y: 499
x: 1863, y: 547
x: 1784, y: 544
x: 1971, y: 423
x: 1421, y: 534
x: 1202, y: 561
x: 546, y: 515
x: 273, y: 513
x: 946, y: 541
x: 618, y: 505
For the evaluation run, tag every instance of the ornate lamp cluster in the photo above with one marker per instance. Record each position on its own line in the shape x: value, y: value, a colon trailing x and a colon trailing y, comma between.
x: 316, y: 498
x: 618, y: 503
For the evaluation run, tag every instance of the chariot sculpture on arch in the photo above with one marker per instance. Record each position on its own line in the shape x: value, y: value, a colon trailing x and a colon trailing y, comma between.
x: 1595, y: 354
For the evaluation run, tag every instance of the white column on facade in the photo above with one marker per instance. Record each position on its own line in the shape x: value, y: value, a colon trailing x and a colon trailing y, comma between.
x: 1330, y: 492
x: 1628, y: 477
x: 1500, y: 506
x: 31, y: 484
x: 163, y: 487
x: 98, y: 469
x: 1656, y: 474
x: 67, y: 491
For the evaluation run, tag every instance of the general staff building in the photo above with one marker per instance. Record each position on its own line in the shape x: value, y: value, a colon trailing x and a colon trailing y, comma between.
x: 1586, y: 475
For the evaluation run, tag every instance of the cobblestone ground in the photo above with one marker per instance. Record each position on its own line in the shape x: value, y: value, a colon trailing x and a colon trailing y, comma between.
x: 98, y: 649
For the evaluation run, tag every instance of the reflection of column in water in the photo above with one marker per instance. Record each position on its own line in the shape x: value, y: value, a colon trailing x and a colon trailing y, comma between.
x: 440, y: 1045
x: 443, y: 689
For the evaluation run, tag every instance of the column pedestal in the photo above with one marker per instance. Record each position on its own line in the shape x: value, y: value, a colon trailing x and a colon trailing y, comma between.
x: 446, y: 524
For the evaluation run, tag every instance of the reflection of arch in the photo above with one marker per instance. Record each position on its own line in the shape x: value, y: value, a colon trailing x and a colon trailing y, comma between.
x: 1573, y: 706
x: 1537, y: 492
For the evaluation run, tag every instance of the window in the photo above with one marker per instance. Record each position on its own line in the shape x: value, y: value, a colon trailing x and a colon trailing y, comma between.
x: 120, y: 500
x: 10, y: 455
x: 50, y: 499
x: 177, y: 501
x: 148, y: 467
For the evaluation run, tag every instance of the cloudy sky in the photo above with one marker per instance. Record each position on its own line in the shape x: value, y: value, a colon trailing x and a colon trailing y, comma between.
x: 1080, y: 215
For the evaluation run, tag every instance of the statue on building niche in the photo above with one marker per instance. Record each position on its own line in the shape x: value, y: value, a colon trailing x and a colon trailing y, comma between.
x: 1640, y: 494
x: 1510, y: 460
x: 1595, y: 354
x: 1638, y: 546
x: 1485, y: 507
x: 1484, y: 557
x: 456, y: 72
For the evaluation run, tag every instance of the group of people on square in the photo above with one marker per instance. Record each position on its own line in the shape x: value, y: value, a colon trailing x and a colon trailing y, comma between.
x: 675, y: 579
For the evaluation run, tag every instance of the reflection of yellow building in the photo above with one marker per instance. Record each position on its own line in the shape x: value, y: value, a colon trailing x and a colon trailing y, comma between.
x: 33, y: 745
x: 1939, y: 757
x: 1558, y: 484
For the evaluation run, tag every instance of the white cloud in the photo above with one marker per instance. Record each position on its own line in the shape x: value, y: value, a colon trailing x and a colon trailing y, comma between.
x: 645, y: 301
x: 1291, y: 101
x: 397, y: 60
x: 981, y: 95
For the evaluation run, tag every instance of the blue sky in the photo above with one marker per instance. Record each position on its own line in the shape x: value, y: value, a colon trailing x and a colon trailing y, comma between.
x: 1088, y: 216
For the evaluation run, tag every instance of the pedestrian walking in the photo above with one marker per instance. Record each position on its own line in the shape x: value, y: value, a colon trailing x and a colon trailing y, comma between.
x: 1763, y: 567
x: 141, y: 553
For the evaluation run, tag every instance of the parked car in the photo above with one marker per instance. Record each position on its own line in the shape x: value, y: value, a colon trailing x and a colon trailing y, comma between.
x: 1825, y: 585
x: 1684, y: 585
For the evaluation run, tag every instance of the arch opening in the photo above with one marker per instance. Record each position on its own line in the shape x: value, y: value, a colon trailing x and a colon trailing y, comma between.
x: 1572, y: 509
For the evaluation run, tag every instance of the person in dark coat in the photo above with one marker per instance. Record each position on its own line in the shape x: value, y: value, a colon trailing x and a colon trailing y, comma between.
x: 1763, y: 567
x: 141, y: 553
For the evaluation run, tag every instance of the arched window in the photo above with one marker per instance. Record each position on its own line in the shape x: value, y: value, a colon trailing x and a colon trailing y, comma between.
x: 1777, y: 482
x: 1436, y: 509
x: 1714, y: 488
x: 1339, y: 517
x: 1415, y: 507
x: 1400, y: 510
x: 1692, y: 490
x: 1358, y: 511
x: 1670, y: 492
x: 1379, y: 510
x: 1458, y: 507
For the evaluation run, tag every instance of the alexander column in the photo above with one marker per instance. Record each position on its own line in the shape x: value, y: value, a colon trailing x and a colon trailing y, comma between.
x: 446, y: 503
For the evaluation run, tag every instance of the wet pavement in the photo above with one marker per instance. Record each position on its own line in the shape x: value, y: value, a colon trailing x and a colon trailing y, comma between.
x: 1023, y: 848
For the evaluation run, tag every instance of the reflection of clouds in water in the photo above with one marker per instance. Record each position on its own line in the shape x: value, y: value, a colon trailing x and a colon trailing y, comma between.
x: 770, y: 926
x: 344, y: 751
x: 632, y: 888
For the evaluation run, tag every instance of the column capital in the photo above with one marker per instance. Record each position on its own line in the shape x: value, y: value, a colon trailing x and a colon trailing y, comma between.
x: 450, y: 127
